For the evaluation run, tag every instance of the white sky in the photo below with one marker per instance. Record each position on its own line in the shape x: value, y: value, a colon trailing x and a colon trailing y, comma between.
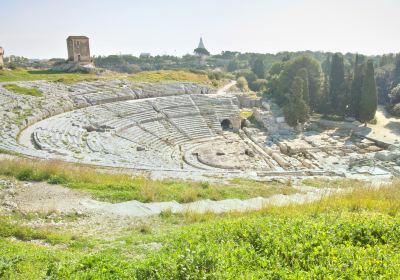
x: 39, y: 28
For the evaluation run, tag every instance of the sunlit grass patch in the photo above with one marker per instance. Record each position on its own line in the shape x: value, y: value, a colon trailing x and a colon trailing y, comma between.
x: 34, y: 75
x: 23, y: 90
x: 118, y: 187
x: 333, y: 183
x: 169, y: 76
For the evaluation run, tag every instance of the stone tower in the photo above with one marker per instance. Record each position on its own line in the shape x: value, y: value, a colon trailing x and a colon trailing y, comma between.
x: 1, y: 58
x: 78, y: 49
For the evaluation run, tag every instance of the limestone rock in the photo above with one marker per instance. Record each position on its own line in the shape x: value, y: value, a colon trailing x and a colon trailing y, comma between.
x: 71, y: 67
x: 387, y: 155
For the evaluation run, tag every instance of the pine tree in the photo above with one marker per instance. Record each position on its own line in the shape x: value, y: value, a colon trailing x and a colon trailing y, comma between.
x: 296, y: 110
x: 337, y: 85
x: 369, y: 98
x: 303, y: 74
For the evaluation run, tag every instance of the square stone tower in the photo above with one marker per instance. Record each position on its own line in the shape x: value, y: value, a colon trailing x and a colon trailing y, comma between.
x: 78, y: 49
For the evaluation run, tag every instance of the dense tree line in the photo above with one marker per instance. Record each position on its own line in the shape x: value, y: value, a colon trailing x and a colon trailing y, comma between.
x: 302, y: 86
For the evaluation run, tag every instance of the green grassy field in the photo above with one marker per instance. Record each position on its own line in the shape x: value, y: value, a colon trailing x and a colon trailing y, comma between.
x: 33, y: 75
x: 145, y: 76
x: 348, y: 236
x: 122, y: 187
x: 169, y: 75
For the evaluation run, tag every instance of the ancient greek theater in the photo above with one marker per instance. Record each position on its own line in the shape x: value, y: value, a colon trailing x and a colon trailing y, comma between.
x: 180, y: 128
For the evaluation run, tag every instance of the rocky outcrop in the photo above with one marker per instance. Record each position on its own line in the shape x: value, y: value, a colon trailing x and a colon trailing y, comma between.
x: 71, y: 67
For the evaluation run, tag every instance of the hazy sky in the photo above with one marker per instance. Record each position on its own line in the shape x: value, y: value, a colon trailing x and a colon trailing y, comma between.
x: 39, y: 28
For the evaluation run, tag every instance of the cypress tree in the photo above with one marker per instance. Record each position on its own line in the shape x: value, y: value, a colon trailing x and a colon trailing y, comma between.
x: 337, y: 85
x: 369, y: 98
x: 396, y: 72
x: 356, y: 86
x: 324, y: 104
x: 296, y: 110
x: 348, y: 79
x: 326, y: 65
x: 303, y: 74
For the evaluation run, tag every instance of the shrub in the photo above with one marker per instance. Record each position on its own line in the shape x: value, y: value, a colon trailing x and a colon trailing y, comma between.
x: 242, y: 84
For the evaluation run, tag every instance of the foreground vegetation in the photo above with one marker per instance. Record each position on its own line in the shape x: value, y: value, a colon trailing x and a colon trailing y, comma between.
x: 122, y: 187
x: 348, y: 236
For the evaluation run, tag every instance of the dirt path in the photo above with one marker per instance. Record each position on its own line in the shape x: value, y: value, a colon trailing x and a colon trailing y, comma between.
x: 225, y: 88
x: 387, y: 128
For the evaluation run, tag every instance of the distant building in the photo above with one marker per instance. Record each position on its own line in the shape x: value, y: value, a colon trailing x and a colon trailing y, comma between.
x: 78, y: 49
x: 145, y: 55
x: 1, y: 58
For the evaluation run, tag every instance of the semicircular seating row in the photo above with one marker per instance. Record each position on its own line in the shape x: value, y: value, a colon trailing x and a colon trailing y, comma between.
x: 18, y: 112
x: 144, y: 133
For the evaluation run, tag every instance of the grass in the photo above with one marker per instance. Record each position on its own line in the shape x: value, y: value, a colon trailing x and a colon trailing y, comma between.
x: 351, y: 235
x: 7, y: 152
x: 23, y: 90
x: 169, y: 75
x: 347, y: 236
x: 9, y: 228
x: 69, y: 78
x: 333, y: 183
x: 33, y: 75
x: 122, y: 187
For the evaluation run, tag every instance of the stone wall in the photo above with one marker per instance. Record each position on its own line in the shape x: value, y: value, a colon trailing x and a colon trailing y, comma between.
x: 248, y: 101
x: 1, y: 58
x: 270, y: 117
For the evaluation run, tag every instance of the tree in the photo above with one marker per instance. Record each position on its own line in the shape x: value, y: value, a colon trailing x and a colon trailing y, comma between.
x: 242, y: 84
x: 326, y: 65
x: 396, y: 72
x: 324, y: 103
x: 395, y: 95
x: 260, y: 85
x: 356, y: 86
x: 258, y: 68
x: 233, y: 65
x: 303, y: 74
x: 296, y: 110
x: 276, y: 68
x: 291, y: 70
x: 337, y: 85
x: 201, y: 51
x: 369, y: 98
